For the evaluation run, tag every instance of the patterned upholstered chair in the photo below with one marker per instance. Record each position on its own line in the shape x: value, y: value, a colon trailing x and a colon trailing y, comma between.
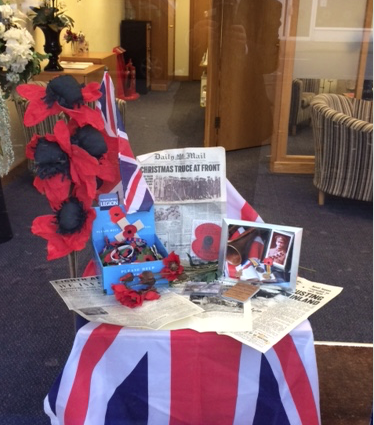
x: 303, y: 91
x: 46, y: 126
x: 343, y: 139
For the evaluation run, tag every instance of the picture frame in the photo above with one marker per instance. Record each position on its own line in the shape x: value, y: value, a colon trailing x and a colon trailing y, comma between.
x: 264, y: 254
x: 279, y: 247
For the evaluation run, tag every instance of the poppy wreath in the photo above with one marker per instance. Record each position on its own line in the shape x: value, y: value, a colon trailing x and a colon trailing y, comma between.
x: 71, y: 164
x: 144, y: 289
x: 130, y: 296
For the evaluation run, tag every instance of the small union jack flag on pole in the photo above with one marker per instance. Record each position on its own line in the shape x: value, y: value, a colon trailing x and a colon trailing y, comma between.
x: 137, y: 196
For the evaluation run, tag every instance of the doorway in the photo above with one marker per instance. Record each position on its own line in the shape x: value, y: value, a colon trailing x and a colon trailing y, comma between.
x: 199, y: 12
x: 242, y: 70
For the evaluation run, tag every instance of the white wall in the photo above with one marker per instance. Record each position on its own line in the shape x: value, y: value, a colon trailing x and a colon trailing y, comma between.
x: 182, y: 39
x: 329, y: 38
x: 100, y: 20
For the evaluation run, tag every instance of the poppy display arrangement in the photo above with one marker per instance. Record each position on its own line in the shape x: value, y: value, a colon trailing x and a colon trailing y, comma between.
x: 71, y: 164
x: 126, y: 244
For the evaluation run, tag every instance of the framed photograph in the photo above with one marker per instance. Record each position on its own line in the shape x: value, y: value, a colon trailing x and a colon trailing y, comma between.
x: 261, y: 253
x: 279, y: 248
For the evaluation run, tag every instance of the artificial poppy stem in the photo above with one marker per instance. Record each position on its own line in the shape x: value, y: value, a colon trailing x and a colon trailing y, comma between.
x: 73, y: 264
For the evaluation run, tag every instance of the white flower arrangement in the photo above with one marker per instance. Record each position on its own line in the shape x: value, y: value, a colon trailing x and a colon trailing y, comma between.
x: 18, y: 59
x: 18, y: 63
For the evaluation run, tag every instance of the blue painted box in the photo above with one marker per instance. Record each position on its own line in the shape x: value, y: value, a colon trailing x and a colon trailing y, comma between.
x: 104, y: 226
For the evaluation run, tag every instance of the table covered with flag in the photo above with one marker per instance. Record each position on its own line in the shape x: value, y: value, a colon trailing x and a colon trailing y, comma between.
x: 120, y: 376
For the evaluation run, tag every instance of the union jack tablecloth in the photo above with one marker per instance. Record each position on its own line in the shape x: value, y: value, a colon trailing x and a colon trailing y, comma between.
x: 118, y: 376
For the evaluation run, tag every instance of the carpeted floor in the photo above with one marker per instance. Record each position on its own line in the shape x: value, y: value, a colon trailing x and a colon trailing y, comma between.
x: 346, y: 384
x: 37, y: 330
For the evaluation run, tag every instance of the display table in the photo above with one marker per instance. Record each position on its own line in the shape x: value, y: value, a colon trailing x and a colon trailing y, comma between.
x: 88, y: 75
x: 124, y: 376
x: 117, y: 376
x: 107, y: 59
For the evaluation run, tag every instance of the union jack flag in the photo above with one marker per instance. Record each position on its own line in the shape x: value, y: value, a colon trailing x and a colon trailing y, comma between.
x: 136, y: 194
x: 118, y: 376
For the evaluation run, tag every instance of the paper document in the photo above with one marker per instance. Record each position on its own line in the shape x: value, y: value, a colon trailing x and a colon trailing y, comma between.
x: 76, y: 65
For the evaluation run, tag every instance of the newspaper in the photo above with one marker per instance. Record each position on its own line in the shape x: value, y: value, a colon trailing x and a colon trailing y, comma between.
x: 219, y: 315
x: 189, y: 187
x: 171, y: 311
x: 273, y: 318
x: 260, y: 323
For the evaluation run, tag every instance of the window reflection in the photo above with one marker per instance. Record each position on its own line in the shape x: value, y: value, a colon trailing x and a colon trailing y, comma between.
x: 328, y: 51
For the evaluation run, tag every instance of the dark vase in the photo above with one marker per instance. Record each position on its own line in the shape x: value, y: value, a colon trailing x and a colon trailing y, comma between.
x: 5, y: 229
x: 53, y: 47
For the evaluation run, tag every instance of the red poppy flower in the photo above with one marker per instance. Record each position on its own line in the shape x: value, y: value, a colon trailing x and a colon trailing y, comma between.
x: 172, y: 268
x: 84, y: 168
x: 116, y: 214
x: 99, y: 145
x: 128, y: 277
x: 38, y: 109
x: 54, y: 182
x: 67, y: 231
x: 268, y: 261
x: 131, y: 298
x: 151, y: 295
x: 206, y: 244
x: 129, y: 231
x: 128, y: 297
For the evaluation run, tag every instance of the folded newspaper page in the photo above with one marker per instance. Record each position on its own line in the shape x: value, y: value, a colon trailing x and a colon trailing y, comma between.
x: 219, y: 314
x: 189, y: 187
x: 85, y: 296
x: 273, y: 318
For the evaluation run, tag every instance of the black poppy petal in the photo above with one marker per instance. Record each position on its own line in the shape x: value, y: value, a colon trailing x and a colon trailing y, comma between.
x: 71, y: 216
x: 91, y: 140
x: 50, y: 159
x: 65, y: 90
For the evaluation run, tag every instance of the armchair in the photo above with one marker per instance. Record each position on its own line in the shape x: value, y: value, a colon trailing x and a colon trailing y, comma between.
x: 343, y: 139
x: 303, y: 91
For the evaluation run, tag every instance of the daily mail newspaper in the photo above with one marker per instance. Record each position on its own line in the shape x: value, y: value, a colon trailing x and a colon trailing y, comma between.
x: 273, y: 318
x: 189, y: 187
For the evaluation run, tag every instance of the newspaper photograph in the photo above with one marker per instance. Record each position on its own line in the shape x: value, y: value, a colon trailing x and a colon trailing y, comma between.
x: 219, y: 315
x: 274, y: 317
x: 185, y: 175
x: 189, y: 187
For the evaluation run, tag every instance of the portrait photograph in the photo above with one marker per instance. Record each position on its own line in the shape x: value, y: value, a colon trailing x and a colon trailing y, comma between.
x: 279, y: 247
